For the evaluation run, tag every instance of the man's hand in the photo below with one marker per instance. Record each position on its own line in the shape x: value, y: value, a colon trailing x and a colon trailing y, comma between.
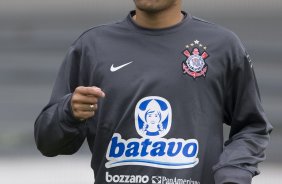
x: 84, y: 101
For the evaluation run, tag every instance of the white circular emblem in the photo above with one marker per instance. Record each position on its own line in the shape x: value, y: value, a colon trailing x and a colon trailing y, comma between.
x: 195, y: 63
x: 153, y: 116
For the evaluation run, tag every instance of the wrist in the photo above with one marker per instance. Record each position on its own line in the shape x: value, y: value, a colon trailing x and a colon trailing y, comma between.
x: 232, y: 175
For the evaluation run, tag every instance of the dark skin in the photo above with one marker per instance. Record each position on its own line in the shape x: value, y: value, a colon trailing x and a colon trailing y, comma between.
x: 157, y: 14
x: 84, y: 101
x: 154, y: 14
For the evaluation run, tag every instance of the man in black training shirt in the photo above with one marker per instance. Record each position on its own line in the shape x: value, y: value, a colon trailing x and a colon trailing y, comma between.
x: 150, y: 94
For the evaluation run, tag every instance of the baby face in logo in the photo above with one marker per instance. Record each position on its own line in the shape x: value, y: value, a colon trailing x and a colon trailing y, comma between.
x: 153, y: 117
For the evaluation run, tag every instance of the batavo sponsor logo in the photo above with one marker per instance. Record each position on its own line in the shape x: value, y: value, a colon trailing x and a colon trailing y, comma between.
x: 161, y: 153
x: 153, y: 120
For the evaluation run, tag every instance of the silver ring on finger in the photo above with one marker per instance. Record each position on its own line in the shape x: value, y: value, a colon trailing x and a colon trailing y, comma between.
x: 92, y: 107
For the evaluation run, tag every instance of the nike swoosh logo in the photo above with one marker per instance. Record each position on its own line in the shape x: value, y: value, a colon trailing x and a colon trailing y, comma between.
x: 114, y: 69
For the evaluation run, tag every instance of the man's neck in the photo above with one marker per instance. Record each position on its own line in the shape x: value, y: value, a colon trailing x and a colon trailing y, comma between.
x: 159, y: 20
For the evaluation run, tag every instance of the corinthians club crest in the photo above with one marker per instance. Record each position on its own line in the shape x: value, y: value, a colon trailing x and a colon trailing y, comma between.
x: 195, y: 65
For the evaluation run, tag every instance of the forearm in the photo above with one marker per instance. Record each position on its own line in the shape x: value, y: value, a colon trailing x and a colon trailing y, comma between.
x: 56, y: 131
x: 241, y: 155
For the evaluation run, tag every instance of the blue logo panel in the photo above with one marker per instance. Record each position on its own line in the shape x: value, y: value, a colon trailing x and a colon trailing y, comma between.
x: 153, y: 117
x: 153, y: 120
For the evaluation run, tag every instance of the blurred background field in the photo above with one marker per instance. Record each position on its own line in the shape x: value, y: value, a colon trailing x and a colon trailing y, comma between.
x: 34, y: 37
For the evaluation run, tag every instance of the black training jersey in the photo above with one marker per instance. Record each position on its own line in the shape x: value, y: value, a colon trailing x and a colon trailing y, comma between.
x: 168, y: 93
